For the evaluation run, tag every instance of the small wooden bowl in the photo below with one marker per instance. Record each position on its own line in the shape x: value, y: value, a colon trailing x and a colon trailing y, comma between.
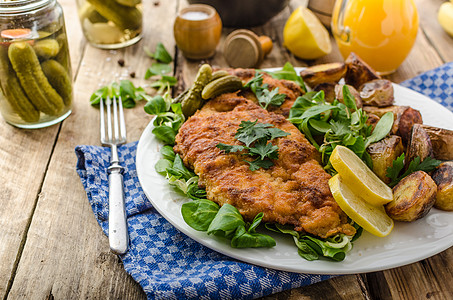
x: 197, y: 30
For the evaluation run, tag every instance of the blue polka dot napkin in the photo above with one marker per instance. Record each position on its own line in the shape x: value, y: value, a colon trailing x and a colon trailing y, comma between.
x: 170, y: 265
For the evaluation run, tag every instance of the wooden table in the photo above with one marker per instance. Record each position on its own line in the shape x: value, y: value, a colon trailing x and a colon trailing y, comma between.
x: 51, y: 246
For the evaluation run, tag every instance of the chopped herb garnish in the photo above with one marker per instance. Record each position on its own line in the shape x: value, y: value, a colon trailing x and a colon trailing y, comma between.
x: 256, y: 137
x: 395, y: 174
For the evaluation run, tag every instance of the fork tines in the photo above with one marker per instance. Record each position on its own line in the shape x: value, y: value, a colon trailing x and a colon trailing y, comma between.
x: 116, y: 128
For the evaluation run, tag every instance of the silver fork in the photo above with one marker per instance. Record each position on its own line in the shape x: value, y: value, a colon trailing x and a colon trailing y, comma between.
x: 118, y: 235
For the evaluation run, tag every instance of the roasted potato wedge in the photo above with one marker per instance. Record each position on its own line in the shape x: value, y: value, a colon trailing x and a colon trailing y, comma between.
x: 352, y: 90
x: 443, y: 177
x: 377, y: 92
x: 404, y: 118
x: 372, y: 120
x: 413, y: 197
x: 358, y: 72
x: 317, y: 74
x: 329, y: 90
x: 383, y: 153
x: 419, y: 144
x: 442, y: 141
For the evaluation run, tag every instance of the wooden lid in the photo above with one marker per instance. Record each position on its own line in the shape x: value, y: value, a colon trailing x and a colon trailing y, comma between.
x: 242, y: 49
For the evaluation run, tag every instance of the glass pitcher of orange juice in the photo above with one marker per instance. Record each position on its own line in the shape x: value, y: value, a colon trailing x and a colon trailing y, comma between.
x: 381, y: 32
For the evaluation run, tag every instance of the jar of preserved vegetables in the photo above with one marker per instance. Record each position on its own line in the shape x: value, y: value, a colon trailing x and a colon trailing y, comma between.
x: 111, y: 24
x: 35, y: 69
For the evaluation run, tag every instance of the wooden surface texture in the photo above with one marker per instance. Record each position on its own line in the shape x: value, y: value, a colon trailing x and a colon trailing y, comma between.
x: 51, y: 246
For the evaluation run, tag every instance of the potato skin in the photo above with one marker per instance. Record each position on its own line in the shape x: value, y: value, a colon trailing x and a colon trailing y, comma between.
x: 377, y: 92
x: 352, y: 90
x: 419, y: 145
x: 404, y: 117
x: 383, y: 153
x: 329, y: 90
x: 442, y: 141
x: 331, y: 72
x: 372, y: 120
x: 443, y: 177
x: 413, y: 197
x: 358, y: 72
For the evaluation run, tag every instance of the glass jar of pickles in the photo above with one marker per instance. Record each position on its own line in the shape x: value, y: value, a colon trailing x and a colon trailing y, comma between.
x: 35, y: 69
x: 111, y: 24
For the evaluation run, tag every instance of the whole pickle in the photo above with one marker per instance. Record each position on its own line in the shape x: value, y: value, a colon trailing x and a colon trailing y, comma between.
x: 59, y: 79
x: 13, y: 92
x: 124, y: 17
x: 224, y: 84
x: 32, y: 79
x: 47, y: 48
x: 193, y: 101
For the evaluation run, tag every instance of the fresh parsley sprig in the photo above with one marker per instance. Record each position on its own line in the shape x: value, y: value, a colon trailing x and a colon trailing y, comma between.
x: 263, y: 94
x: 395, y: 171
x: 256, y: 137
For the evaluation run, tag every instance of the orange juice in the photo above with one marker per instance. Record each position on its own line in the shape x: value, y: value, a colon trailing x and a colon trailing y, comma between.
x: 381, y: 32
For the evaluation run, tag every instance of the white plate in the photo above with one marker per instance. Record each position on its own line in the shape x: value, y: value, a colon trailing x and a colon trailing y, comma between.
x: 408, y: 242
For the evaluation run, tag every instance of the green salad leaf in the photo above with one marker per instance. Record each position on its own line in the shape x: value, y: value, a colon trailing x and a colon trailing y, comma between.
x: 160, y: 54
x: 312, y: 248
x: 337, y: 124
x: 125, y: 89
x: 289, y: 73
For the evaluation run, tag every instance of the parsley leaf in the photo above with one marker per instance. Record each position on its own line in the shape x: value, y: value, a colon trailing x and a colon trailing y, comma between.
x: 255, y: 136
x: 230, y: 148
x: 266, y: 97
x: 394, y: 172
x: 257, y: 163
x: 264, y: 150
x: 263, y: 94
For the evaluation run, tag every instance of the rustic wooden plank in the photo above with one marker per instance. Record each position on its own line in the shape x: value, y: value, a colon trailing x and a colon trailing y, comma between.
x: 440, y: 40
x: 430, y: 278
x: 66, y: 255
x: 24, y: 157
x: 337, y: 288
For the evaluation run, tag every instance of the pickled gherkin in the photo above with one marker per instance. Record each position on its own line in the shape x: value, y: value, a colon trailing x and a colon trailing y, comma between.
x: 111, y: 23
x: 35, y: 68
x: 47, y: 48
x: 13, y: 91
x: 32, y: 79
x: 58, y: 78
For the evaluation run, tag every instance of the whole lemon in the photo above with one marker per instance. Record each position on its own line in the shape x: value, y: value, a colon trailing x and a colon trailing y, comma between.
x: 305, y: 36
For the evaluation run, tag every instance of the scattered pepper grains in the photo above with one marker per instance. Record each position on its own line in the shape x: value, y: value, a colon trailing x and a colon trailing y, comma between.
x: 121, y: 62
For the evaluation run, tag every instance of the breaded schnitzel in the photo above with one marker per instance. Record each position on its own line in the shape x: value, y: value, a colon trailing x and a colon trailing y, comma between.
x: 294, y: 191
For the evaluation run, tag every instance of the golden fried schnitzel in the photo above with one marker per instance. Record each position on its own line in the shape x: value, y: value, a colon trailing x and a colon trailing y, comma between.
x: 293, y: 191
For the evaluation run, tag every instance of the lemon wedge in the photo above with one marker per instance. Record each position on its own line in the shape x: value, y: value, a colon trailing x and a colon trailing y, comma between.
x: 359, y: 178
x: 305, y: 36
x: 372, y: 218
x: 445, y: 17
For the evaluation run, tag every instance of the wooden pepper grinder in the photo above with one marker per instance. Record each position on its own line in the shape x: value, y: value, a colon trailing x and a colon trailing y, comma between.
x: 244, y: 49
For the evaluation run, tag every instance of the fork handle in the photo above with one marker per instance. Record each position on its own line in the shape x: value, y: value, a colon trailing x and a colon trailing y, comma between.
x: 118, y: 236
